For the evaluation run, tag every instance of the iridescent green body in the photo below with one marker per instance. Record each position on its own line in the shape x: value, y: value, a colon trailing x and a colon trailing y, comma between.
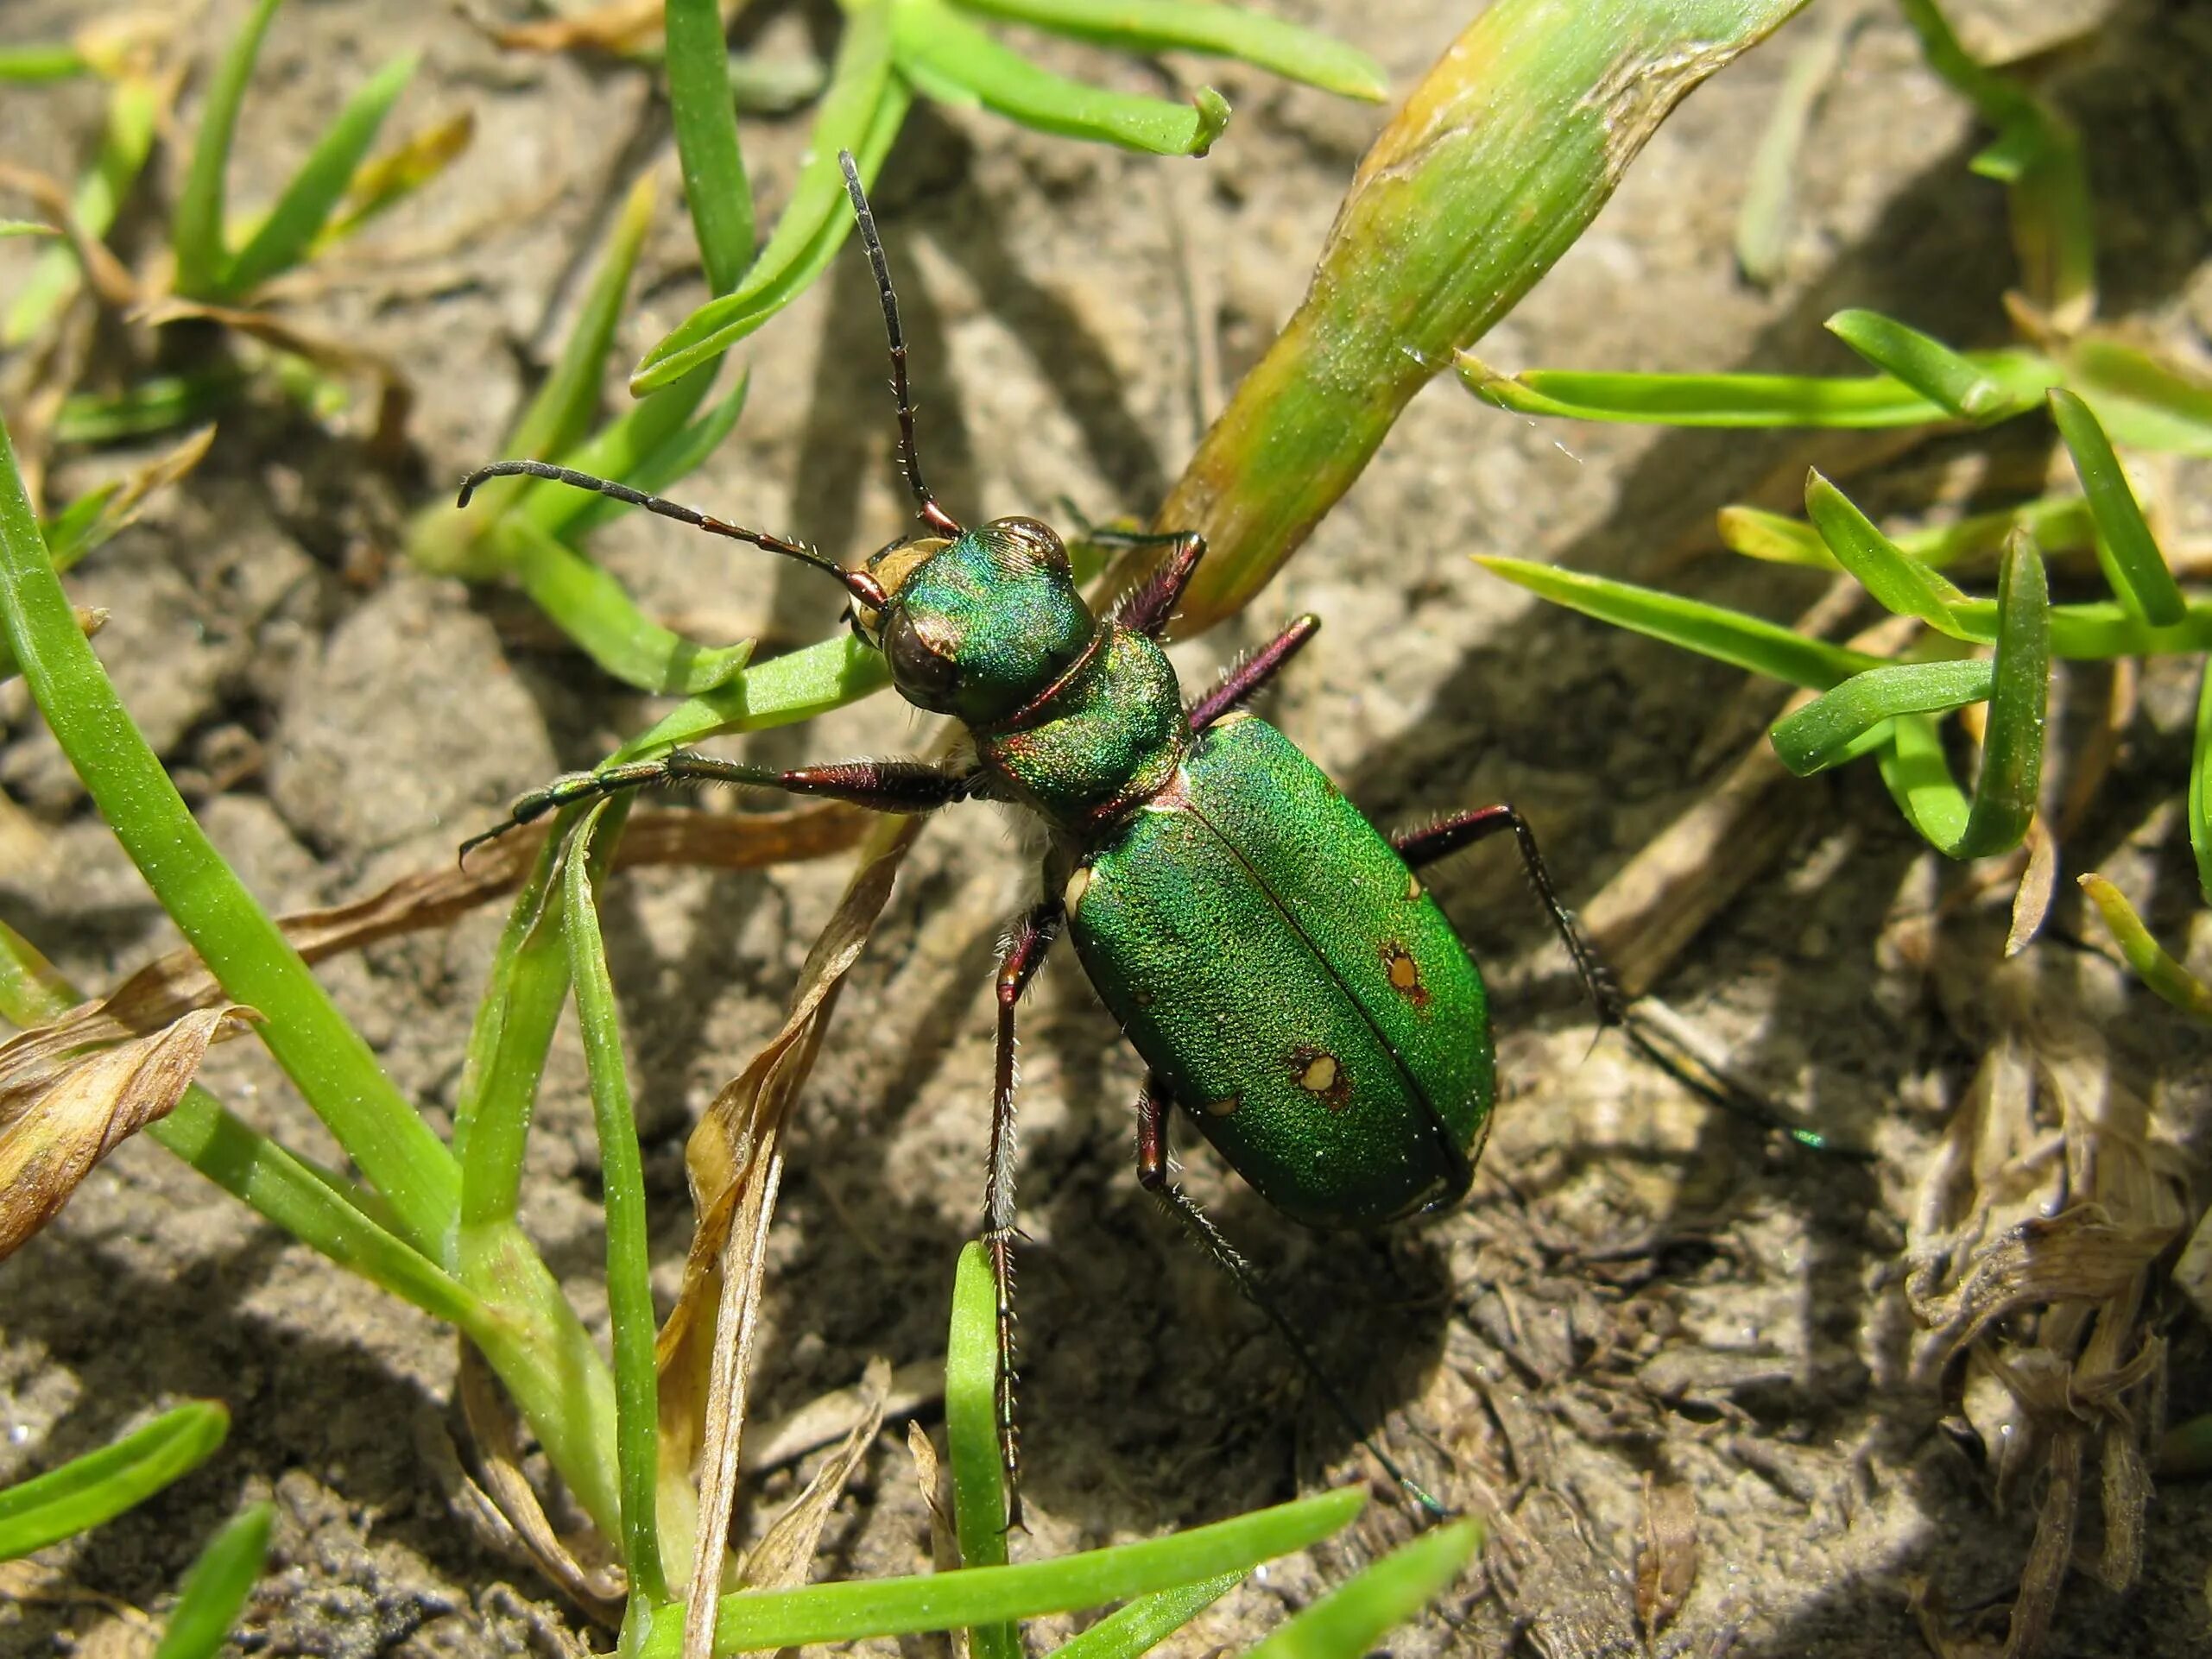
x: 1272, y: 958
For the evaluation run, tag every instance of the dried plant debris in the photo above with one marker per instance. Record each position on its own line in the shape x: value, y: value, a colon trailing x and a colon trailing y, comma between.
x: 2033, y: 1260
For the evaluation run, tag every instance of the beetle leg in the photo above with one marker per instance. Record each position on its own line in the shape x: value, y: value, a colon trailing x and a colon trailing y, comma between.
x: 1148, y: 607
x: 1152, y: 1176
x: 1255, y: 670
x: 1025, y: 954
x: 881, y: 785
x: 1421, y: 847
x: 1664, y: 1048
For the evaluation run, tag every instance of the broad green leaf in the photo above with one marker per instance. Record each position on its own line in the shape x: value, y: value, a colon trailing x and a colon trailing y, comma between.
x: 1726, y: 636
x: 1927, y: 365
x: 1868, y: 400
x: 100, y: 1485
x: 844, y: 1611
x: 2152, y: 963
x: 196, y: 233
x: 629, y: 1255
x: 942, y: 49
x: 1283, y: 48
x: 1827, y: 731
x: 282, y: 239
x: 861, y: 112
x: 2132, y: 561
x: 1901, y: 584
x: 1350, y: 1621
x: 705, y: 118
x: 214, y: 1591
x: 979, y: 1502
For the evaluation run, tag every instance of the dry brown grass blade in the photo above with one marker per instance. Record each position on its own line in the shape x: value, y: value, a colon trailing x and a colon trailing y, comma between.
x: 110, y: 278
x: 944, y: 1542
x: 62, y: 1111
x: 616, y: 26
x: 785, y: 1550
x: 828, y: 1416
x: 493, y: 1426
x: 173, y: 985
x: 735, y: 1162
x: 1666, y: 1567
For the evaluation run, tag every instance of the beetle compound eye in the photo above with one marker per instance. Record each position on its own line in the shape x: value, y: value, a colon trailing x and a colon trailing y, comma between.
x: 1035, y: 538
x: 920, y: 671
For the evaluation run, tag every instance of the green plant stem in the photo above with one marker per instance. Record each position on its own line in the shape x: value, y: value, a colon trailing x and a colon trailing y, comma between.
x: 979, y: 1510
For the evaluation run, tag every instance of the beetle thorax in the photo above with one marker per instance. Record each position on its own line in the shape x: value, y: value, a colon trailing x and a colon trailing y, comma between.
x: 1098, y: 745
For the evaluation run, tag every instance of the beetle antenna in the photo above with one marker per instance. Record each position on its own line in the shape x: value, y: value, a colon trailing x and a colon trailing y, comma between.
x: 909, y: 460
x: 859, y: 584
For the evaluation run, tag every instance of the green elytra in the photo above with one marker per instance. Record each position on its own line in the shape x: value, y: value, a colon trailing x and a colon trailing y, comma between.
x: 1274, y: 959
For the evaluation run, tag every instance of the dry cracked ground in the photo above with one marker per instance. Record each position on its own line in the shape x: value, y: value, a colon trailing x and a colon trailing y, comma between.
x: 1641, y: 1297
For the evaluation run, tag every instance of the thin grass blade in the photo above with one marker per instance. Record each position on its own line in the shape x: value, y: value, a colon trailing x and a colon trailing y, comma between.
x: 36, y: 62
x: 785, y: 689
x: 971, y: 1359
x: 1728, y: 636
x: 1348, y: 1622
x: 385, y: 180
x: 2060, y: 524
x: 1827, y: 731
x: 860, y: 110
x: 2142, y: 400
x: 2200, y: 787
x: 136, y: 104
x: 214, y: 1591
x: 1269, y: 43
x: 283, y: 239
x: 941, y: 50
x: 629, y: 1256
x: 196, y: 233
x: 561, y: 414
x: 705, y: 115
x: 676, y: 457
x: 100, y: 1485
x: 1927, y: 365
x: 943, y: 1601
x: 1900, y: 584
x: 158, y: 405
x: 2152, y: 963
x: 597, y: 612
x: 2133, y: 564
x: 1146, y: 1622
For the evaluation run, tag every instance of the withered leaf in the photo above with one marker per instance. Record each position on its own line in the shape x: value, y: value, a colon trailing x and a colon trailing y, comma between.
x: 1666, y: 1567
x: 62, y: 1111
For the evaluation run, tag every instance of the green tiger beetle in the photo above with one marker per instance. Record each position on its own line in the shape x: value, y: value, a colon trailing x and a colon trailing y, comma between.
x: 1276, y: 959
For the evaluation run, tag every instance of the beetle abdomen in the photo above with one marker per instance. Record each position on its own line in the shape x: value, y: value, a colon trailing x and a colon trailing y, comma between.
x: 1272, y: 957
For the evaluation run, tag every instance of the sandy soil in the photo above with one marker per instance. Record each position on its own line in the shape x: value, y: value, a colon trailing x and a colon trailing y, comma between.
x: 1638, y: 1290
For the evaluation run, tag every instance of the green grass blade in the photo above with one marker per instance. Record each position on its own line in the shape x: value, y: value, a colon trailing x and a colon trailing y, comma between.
x: 2153, y: 964
x: 1726, y: 636
x: 134, y: 106
x: 629, y: 1255
x: 1727, y: 401
x: 37, y: 62
x: 2060, y: 524
x: 1269, y: 43
x: 778, y: 692
x: 674, y: 458
x: 1146, y: 1622
x: 32, y: 990
x: 705, y: 118
x: 1928, y: 366
x: 979, y: 1507
x: 215, y: 1590
x: 196, y: 234
x: 1351, y: 1620
x: 386, y: 180
x: 561, y: 414
x: 1900, y: 584
x: 2132, y: 564
x: 860, y: 111
x: 942, y: 50
x: 2200, y: 787
x: 282, y: 239
x: 509, y: 1042
x: 1827, y: 730
x: 250, y: 957
x: 100, y: 1485
x: 159, y: 404
x: 595, y: 611
x: 2142, y: 401
x: 943, y: 1601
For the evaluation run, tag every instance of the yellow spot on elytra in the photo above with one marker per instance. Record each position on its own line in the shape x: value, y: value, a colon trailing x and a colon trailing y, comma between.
x: 1223, y: 1106
x: 1320, y: 1075
x: 1079, y: 885
x: 1404, y: 973
x: 1413, y: 888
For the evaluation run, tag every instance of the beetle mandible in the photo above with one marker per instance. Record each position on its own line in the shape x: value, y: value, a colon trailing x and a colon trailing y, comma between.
x: 1273, y: 958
